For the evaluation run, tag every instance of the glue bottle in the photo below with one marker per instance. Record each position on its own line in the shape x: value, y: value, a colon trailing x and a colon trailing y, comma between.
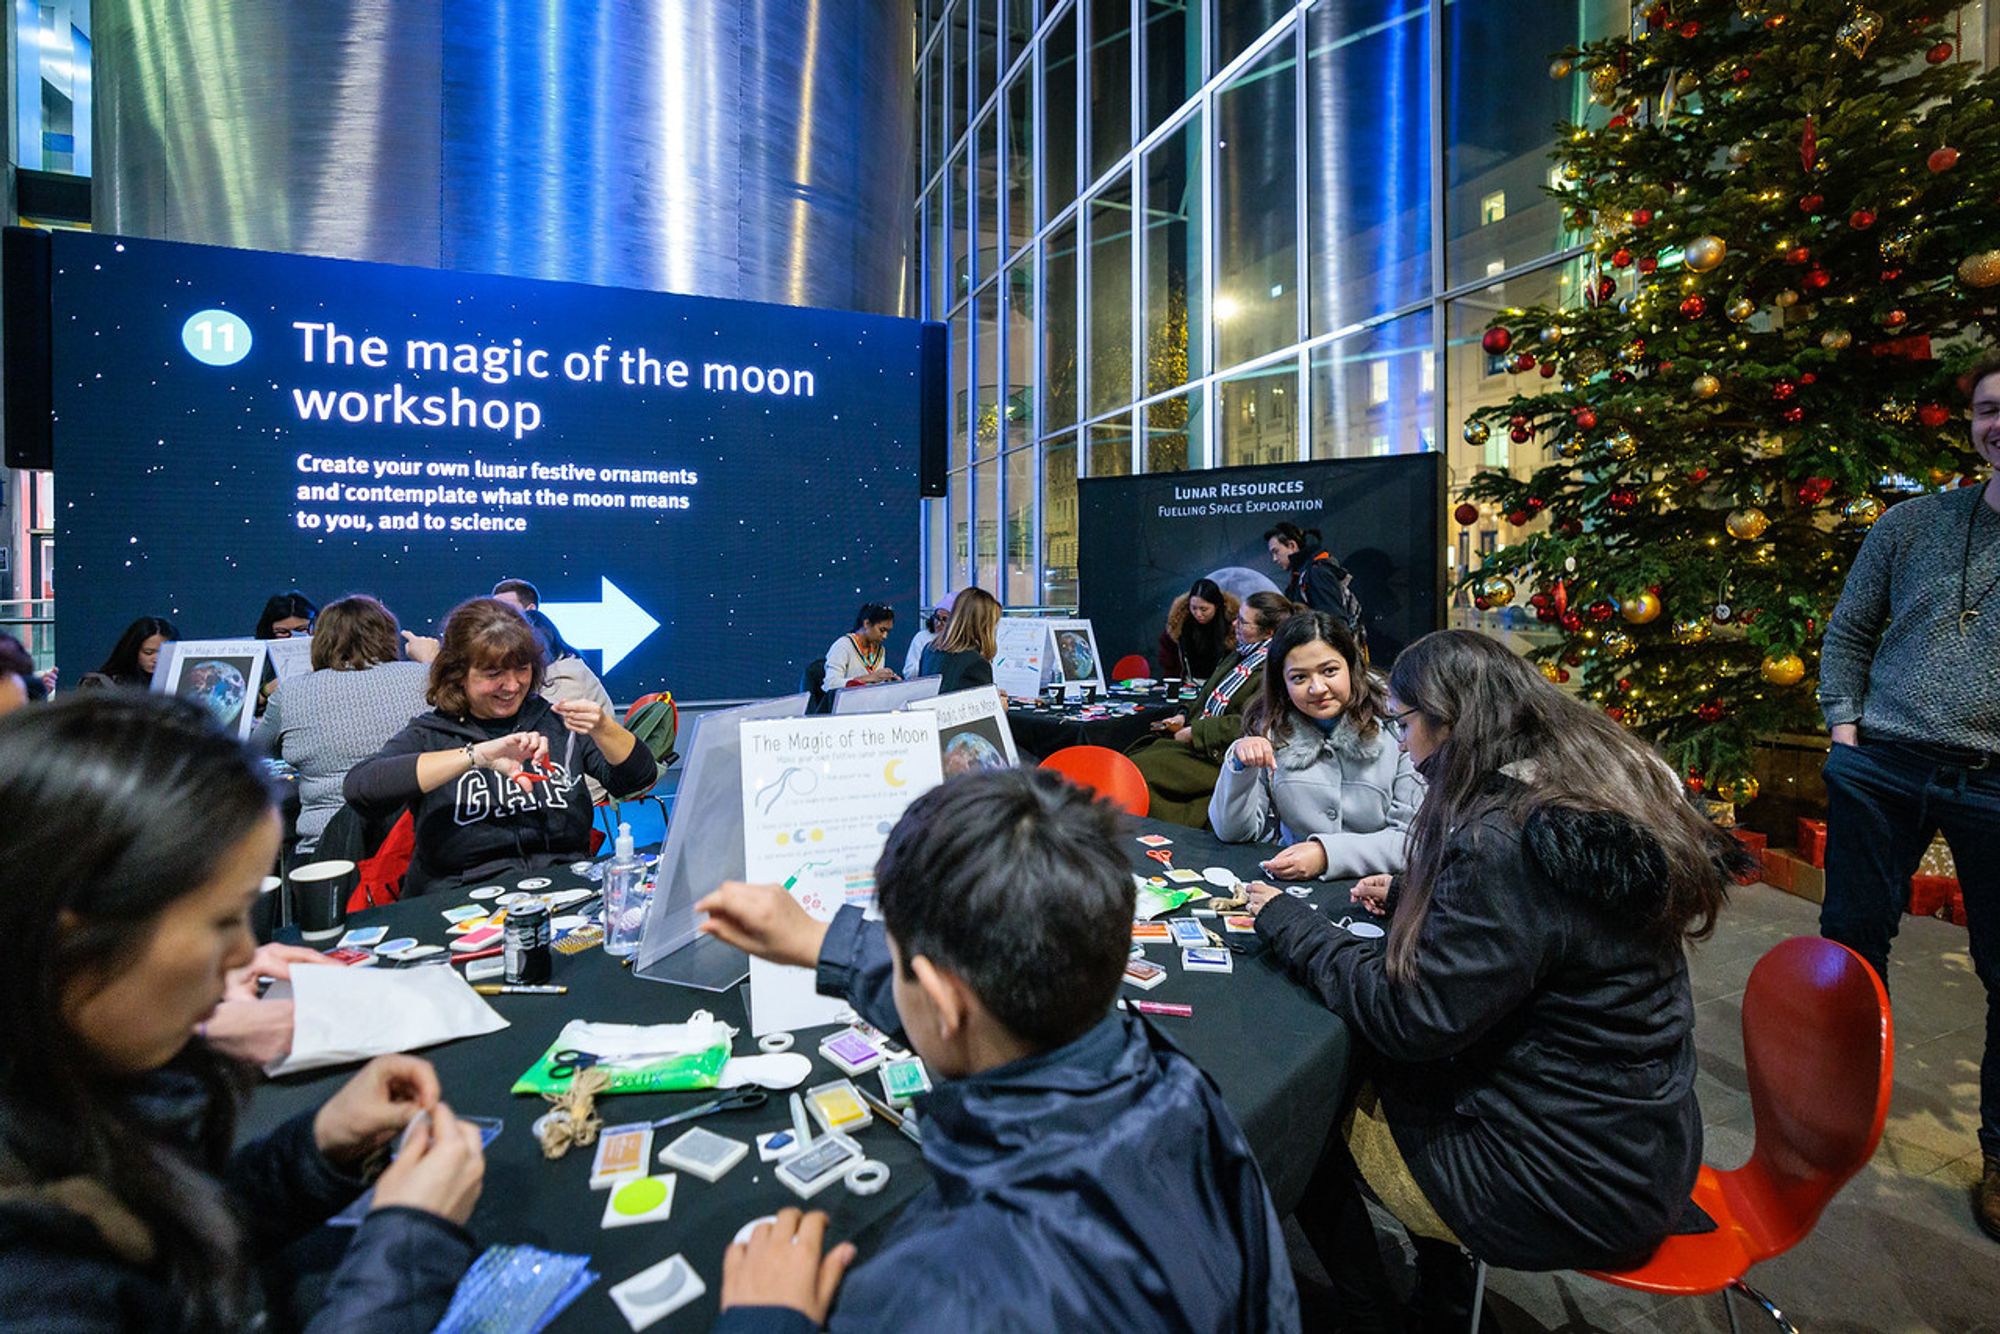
x: 624, y: 897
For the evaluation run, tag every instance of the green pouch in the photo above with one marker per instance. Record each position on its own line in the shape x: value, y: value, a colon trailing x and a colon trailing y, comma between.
x: 660, y: 1058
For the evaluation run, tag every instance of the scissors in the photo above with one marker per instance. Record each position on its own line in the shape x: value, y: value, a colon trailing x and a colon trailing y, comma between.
x: 741, y: 1100
x: 570, y: 1061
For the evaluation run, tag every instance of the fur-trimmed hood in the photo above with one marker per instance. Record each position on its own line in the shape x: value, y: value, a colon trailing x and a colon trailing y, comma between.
x: 1601, y: 857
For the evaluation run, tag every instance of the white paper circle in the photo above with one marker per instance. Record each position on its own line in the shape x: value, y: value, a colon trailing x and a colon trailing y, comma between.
x: 485, y: 892
x: 1221, y: 877
x: 1365, y: 930
x: 773, y: 1043
x: 537, y: 882
x: 743, y: 1233
x: 868, y: 1177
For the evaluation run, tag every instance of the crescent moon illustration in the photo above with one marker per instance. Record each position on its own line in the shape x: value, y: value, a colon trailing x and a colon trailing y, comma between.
x: 893, y: 778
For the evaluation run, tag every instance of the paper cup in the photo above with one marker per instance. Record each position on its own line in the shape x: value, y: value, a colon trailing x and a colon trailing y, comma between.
x: 319, y: 897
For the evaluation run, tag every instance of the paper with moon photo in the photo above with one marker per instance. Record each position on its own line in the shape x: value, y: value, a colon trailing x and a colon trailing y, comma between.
x: 819, y: 798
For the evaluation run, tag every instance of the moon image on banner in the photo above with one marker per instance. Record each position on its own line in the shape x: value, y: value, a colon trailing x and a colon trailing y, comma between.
x: 892, y: 774
x: 1240, y: 581
x: 969, y: 752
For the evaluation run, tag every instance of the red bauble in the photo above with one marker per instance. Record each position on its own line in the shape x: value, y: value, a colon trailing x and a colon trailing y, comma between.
x: 1812, y: 203
x: 1572, y: 659
x: 1942, y: 160
x: 1585, y: 418
x: 1482, y: 604
x: 1622, y: 498
x: 1548, y: 370
x: 1621, y: 258
x: 1793, y: 415
x: 1617, y: 122
x: 1648, y: 264
x: 1690, y: 29
x: 1798, y: 254
x: 1938, y: 54
x: 1894, y: 319
x: 1695, y: 784
x: 1641, y: 216
x: 1933, y: 415
x: 1562, y: 676
x: 1711, y: 712
x: 1536, y: 504
x: 1861, y: 219
x: 1694, y: 307
x: 1467, y: 514
x: 1813, y: 490
x: 1520, y: 435
x: 1523, y: 361
x: 1570, y: 527
x: 1517, y: 517
x: 1698, y: 476
x: 1741, y: 74
x: 1601, y: 612
x: 1546, y: 615
x: 1615, y: 713
x: 1624, y: 684
x: 1496, y: 341
x: 1784, y: 390
x: 1518, y: 419
x: 1809, y: 377
x: 1621, y: 377
x: 1816, y: 278
x: 1570, y: 621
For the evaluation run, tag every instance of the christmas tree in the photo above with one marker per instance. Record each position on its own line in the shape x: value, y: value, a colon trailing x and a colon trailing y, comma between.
x: 1793, y: 209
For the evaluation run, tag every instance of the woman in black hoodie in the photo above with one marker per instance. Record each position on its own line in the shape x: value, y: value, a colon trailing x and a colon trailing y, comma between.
x: 1528, y: 1024
x: 494, y: 772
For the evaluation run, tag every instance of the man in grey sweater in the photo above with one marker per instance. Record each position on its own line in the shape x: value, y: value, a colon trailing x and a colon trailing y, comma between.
x: 1910, y: 686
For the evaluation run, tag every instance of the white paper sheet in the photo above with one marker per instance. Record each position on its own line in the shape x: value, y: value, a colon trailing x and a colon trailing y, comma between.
x: 350, y: 1014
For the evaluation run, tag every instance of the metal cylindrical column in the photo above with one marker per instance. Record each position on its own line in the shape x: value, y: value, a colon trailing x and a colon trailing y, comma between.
x: 743, y: 148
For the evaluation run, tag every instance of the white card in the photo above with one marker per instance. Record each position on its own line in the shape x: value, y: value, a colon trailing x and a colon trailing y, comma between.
x: 657, y: 1292
x: 1207, y: 961
x: 637, y: 1200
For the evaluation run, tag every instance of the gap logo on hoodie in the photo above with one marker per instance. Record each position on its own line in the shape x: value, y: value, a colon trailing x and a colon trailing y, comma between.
x: 481, y: 794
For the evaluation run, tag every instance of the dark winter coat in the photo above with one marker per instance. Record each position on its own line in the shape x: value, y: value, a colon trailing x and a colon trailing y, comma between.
x: 1180, y: 775
x: 961, y: 670
x: 1320, y: 582
x: 1538, y: 1074
x: 72, y: 1256
x: 1099, y: 1186
x: 480, y: 823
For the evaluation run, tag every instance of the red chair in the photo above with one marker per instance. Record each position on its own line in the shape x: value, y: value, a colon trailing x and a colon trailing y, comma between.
x: 1130, y: 667
x: 1819, y: 1052
x: 380, y: 878
x: 1105, y: 772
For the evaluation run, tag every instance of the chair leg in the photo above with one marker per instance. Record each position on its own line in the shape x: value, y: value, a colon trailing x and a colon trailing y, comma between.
x: 1729, y: 1306
x: 1478, y: 1296
x: 1769, y: 1307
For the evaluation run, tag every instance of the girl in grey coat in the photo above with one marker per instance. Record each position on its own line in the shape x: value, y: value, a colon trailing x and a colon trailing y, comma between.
x: 1315, y: 769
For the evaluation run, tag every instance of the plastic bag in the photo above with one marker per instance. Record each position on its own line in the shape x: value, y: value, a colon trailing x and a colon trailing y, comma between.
x: 638, y: 1058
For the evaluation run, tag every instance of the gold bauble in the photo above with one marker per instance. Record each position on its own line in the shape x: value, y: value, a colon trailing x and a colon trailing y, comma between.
x: 1896, y: 410
x: 1560, y: 68
x: 1859, y: 32
x: 1897, y: 244
x: 1980, y: 270
x: 1786, y: 299
x: 1704, y: 253
x: 1690, y: 629
x: 1497, y: 589
x: 1862, y: 511
x: 1764, y: 553
x: 1746, y: 524
x: 1622, y: 445
x: 1552, y: 673
x: 1706, y: 386
x: 1604, y: 85
x: 1836, y: 340
x: 1741, y: 153
x: 1476, y: 433
x: 1783, y: 669
x: 1550, y: 335
x: 1570, y: 448
x: 1616, y: 643
x: 1633, y: 352
x: 1641, y: 609
x: 1687, y: 83
x: 1741, y: 309
x: 1737, y: 790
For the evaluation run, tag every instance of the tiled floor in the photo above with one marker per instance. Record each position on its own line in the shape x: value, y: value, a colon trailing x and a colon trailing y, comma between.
x: 1898, y: 1249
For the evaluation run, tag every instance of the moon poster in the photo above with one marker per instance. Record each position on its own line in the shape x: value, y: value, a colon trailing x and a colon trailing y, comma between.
x: 820, y: 796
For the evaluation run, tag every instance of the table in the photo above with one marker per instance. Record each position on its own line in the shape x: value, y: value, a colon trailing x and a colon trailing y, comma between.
x: 1279, y: 1057
x: 1040, y: 732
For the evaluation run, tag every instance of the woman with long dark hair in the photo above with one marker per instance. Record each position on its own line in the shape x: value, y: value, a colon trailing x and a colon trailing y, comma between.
x: 1200, y: 631
x: 135, y: 840
x: 287, y: 614
x: 1315, y: 769
x: 1182, y: 761
x: 1529, y: 1027
x: 135, y: 655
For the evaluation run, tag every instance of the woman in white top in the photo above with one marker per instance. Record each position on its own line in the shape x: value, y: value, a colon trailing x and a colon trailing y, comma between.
x: 859, y: 657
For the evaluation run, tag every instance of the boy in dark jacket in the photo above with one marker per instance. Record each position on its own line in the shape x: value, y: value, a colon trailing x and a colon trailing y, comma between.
x: 1086, y: 1174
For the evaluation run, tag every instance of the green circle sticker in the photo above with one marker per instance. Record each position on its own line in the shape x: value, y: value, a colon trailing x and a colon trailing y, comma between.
x: 639, y: 1197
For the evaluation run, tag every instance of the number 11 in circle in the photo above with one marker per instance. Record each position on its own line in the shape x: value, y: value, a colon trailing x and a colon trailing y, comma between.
x: 216, y: 337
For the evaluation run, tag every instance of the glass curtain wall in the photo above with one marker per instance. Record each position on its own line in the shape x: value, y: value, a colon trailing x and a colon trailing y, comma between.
x: 1181, y: 234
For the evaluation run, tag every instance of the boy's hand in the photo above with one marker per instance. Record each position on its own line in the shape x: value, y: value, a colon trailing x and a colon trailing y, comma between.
x: 765, y: 921
x: 781, y: 1266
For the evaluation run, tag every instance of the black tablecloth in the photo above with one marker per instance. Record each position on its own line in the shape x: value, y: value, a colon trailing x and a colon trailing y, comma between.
x: 1278, y: 1056
x: 1040, y: 733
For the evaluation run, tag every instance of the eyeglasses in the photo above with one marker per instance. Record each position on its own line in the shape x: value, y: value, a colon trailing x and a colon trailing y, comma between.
x: 1396, y: 719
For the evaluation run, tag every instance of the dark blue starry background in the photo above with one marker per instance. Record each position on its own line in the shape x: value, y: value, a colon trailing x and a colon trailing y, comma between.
x: 176, y: 481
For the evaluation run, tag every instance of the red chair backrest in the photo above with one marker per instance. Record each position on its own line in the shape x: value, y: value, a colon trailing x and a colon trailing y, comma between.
x: 1105, y: 772
x: 1819, y: 1055
x: 1131, y: 666
x: 381, y: 876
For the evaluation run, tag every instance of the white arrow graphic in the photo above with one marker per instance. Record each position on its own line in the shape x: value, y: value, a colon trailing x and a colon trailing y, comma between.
x: 614, y: 625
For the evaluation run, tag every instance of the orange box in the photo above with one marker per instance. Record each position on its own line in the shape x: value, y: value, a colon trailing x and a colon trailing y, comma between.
x: 1795, y: 875
x: 1812, y: 841
x: 1933, y: 896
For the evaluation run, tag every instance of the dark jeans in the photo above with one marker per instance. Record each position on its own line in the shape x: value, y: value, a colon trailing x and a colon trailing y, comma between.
x: 1885, y: 802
